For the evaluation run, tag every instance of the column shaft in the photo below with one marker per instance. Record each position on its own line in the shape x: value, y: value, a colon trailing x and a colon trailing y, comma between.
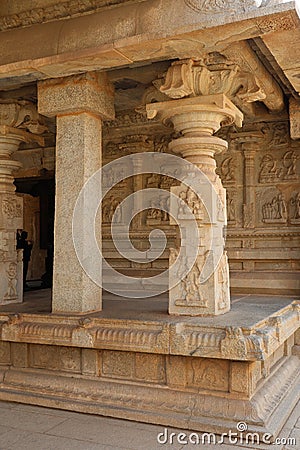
x: 205, y: 289
x: 78, y: 156
x: 80, y: 103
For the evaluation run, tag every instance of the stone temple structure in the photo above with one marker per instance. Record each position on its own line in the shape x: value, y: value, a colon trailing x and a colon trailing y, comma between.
x: 216, y: 83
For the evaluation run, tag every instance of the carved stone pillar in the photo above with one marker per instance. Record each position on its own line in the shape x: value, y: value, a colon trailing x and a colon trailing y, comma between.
x: 250, y: 142
x: 17, y: 120
x: 196, y: 119
x: 79, y: 103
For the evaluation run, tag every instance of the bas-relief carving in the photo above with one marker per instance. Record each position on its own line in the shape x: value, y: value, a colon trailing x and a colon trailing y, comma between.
x: 231, y: 196
x: 190, y: 288
x: 295, y: 208
x: 275, y: 211
x: 12, y: 208
x: 11, y: 293
x: 188, y: 199
x: 279, y: 208
x: 210, y: 374
x: 227, y: 170
x: 272, y: 170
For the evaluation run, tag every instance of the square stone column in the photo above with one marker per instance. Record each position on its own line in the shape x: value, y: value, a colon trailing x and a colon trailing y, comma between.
x: 80, y: 103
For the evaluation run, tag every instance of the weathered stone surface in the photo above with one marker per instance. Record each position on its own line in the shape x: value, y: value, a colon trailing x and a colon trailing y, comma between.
x: 90, y: 93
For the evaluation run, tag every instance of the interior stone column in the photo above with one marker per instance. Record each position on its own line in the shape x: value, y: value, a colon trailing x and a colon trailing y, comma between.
x: 196, y: 120
x: 250, y: 142
x: 16, y: 118
x: 80, y: 103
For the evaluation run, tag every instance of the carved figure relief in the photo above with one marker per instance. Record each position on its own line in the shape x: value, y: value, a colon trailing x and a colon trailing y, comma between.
x: 157, y: 213
x: 190, y: 287
x: 189, y: 198
x: 223, y: 278
x: 11, y: 208
x: 280, y: 135
x: 268, y: 170
x: 111, y: 207
x: 11, y: 272
x: 233, y: 344
x: 288, y: 170
x: 231, y: 208
x: 275, y: 211
x: 278, y: 170
x: 295, y: 208
x: 209, y: 374
x: 227, y: 171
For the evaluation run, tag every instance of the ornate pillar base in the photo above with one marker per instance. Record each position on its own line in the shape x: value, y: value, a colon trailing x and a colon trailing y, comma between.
x: 205, y: 289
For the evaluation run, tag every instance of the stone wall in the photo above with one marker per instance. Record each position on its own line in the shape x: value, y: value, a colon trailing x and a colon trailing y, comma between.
x: 260, y: 171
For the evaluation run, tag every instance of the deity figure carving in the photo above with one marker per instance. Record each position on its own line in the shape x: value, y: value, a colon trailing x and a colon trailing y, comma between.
x: 11, y: 272
x: 190, y: 289
x: 280, y: 135
x: 289, y: 161
x: 223, y: 282
x: 275, y: 210
x: 268, y: 171
x: 227, y: 170
x: 189, y: 198
x: 231, y: 212
x: 295, y: 204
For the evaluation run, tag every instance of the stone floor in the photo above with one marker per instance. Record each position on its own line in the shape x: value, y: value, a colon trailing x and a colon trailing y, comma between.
x: 249, y: 309
x: 25, y: 427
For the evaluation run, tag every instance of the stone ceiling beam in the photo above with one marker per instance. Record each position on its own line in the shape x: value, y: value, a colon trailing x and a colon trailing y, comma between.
x: 146, y: 31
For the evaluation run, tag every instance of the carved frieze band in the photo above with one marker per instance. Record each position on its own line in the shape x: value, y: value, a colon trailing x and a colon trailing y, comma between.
x: 227, y: 342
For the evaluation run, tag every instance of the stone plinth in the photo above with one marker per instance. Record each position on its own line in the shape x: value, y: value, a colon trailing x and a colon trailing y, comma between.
x: 196, y: 119
x: 80, y: 103
x: 204, y: 374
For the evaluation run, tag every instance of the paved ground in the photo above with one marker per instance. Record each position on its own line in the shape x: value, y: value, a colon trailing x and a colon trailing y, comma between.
x: 25, y: 427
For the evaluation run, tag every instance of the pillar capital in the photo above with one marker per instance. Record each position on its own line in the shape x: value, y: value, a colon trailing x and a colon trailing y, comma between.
x: 89, y: 92
x: 19, y: 122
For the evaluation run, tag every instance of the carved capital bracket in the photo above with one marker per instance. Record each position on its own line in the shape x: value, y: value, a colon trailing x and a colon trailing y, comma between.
x: 237, y: 73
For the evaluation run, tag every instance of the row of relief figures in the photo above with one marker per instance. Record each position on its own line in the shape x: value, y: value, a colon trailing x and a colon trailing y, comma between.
x: 271, y: 169
x: 272, y: 206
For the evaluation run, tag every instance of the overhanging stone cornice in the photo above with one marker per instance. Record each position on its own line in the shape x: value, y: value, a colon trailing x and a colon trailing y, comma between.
x: 122, y: 36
